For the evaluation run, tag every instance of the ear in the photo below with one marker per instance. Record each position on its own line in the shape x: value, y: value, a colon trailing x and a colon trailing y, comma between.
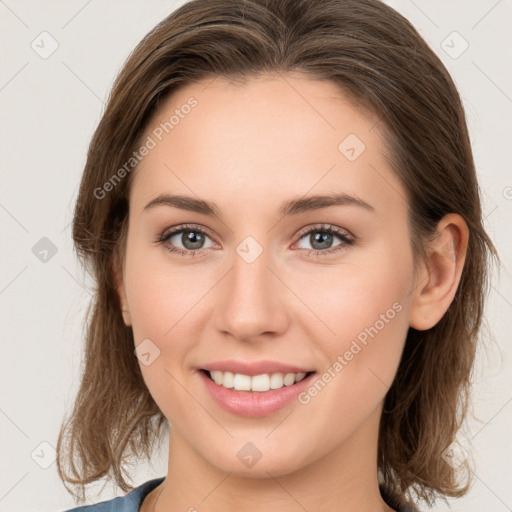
x: 439, y: 276
x: 117, y: 269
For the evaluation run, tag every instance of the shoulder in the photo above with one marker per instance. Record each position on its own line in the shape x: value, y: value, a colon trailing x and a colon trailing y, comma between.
x: 129, y: 503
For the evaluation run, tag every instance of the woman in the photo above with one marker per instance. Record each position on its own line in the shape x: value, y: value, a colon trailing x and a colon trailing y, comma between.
x: 281, y: 212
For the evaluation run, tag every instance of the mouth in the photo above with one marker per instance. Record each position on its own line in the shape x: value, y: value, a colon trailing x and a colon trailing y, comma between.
x: 257, y: 395
x: 261, y: 383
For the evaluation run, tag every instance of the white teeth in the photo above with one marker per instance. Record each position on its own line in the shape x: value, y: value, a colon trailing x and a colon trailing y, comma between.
x: 300, y: 376
x: 241, y: 382
x: 276, y: 381
x: 259, y: 383
x: 217, y: 377
x: 289, y: 379
x: 228, y: 379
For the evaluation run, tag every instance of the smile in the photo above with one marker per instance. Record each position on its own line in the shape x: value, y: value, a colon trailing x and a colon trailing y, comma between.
x: 257, y: 395
x: 257, y: 383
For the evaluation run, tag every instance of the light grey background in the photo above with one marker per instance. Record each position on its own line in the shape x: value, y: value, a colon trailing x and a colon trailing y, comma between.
x: 49, y: 109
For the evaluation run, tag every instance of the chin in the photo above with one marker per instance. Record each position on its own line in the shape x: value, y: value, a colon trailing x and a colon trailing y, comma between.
x: 267, y: 466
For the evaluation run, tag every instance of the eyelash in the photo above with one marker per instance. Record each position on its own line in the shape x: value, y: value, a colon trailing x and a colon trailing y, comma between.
x: 347, y: 240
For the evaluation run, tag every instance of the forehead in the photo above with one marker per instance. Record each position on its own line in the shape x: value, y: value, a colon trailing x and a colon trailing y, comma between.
x: 272, y: 136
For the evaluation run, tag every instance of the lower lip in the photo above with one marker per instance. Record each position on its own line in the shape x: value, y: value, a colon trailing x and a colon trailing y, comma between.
x: 254, y: 403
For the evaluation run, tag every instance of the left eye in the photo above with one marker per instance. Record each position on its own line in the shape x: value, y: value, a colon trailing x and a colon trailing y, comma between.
x: 321, y: 239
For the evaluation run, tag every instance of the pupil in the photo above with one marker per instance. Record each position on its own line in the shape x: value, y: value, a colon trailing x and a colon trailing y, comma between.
x: 192, y: 240
x: 323, y: 239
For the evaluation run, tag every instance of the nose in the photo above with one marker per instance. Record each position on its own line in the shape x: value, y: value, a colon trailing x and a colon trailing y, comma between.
x: 252, y: 300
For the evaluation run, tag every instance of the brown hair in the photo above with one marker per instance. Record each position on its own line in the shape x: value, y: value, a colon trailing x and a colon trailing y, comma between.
x: 377, y: 58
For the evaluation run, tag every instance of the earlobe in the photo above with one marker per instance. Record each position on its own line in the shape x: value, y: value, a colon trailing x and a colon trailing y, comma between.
x: 440, y: 274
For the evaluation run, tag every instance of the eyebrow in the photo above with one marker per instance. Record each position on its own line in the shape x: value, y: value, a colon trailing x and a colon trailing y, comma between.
x: 293, y: 207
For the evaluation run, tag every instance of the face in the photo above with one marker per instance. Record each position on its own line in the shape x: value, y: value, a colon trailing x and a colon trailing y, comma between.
x: 323, y: 287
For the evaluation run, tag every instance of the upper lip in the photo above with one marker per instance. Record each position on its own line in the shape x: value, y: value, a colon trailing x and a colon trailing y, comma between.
x: 254, y: 367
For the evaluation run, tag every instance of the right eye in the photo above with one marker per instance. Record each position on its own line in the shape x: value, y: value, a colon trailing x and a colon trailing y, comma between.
x: 191, y: 239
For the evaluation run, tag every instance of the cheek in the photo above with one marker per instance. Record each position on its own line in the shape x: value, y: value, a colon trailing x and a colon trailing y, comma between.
x: 151, y: 301
x: 367, y: 289
x: 364, y: 308
x: 162, y: 308
x: 161, y: 294
x: 367, y: 309
x: 167, y: 308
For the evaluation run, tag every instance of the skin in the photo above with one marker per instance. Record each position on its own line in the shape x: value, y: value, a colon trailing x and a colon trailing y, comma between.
x: 248, y: 148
